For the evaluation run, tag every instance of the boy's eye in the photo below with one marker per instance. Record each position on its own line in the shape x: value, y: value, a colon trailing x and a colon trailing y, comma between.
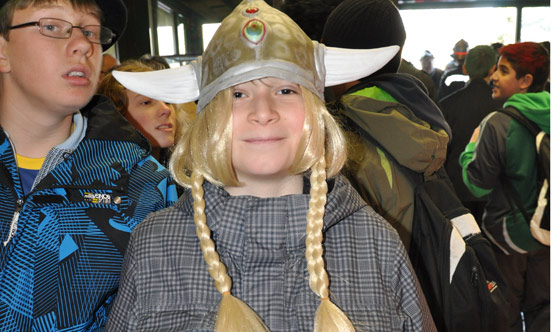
x: 286, y: 91
x: 238, y: 95
x: 147, y: 102
x: 51, y: 27
x: 88, y: 33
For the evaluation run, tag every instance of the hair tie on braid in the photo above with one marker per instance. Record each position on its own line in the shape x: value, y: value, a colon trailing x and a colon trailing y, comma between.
x: 329, y: 318
x: 236, y: 316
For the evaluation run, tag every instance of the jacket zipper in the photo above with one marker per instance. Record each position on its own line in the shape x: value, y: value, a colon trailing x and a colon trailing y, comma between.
x: 15, y: 219
x: 482, y: 293
x: 18, y: 204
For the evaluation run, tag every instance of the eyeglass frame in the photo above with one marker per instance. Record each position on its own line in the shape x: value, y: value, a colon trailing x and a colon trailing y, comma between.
x: 81, y: 28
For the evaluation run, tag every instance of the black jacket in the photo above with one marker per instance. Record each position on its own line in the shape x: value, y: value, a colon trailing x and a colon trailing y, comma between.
x: 464, y: 110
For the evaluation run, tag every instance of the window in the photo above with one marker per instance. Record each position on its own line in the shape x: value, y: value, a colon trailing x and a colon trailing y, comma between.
x: 437, y: 30
x: 181, y: 35
x: 535, y: 24
x: 165, y: 30
x: 208, y: 30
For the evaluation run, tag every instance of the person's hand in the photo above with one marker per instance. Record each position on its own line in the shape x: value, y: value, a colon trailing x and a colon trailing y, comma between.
x: 475, y: 134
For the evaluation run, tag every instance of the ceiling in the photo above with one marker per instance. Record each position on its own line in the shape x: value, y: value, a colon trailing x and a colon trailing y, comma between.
x: 214, y: 11
x: 210, y: 11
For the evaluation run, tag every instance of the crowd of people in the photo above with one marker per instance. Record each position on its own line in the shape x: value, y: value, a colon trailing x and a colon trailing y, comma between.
x: 272, y: 184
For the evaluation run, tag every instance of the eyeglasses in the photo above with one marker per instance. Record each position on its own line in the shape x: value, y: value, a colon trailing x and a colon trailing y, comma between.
x: 60, y: 29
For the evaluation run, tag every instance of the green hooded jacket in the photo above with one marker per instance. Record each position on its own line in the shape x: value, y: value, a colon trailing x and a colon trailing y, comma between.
x: 501, y: 151
x: 388, y: 143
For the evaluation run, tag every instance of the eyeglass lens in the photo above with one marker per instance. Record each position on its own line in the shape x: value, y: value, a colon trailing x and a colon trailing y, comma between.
x: 56, y: 28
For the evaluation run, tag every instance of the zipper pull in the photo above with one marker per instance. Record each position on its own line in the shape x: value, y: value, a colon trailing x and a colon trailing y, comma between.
x: 475, y: 276
x: 15, y: 219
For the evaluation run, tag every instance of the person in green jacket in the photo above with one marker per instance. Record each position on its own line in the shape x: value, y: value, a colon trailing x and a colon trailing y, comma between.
x: 501, y: 151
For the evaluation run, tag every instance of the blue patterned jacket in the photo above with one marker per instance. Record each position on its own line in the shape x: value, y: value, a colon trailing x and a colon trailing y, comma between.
x: 59, y: 269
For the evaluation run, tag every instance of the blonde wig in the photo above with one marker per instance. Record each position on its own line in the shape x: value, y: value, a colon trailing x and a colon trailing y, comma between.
x: 206, y: 145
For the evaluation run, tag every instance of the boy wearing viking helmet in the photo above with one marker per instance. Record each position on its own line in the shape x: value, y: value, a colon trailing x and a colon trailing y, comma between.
x: 287, y: 241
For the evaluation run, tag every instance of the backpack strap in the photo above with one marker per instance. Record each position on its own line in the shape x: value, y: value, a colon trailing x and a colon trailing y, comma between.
x: 515, y: 114
x: 534, y: 129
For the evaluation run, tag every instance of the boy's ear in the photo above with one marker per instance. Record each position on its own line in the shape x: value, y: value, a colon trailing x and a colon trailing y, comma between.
x: 4, y: 62
x: 526, y: 81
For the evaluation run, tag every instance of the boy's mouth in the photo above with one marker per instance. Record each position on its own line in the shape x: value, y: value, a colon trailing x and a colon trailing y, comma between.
x: 76, y: 74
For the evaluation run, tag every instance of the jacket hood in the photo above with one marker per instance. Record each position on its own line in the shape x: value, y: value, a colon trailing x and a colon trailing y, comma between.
x: 411, y: 92
x: 535, y: 106
x: 105, y: 123
x: 415, y: 137
x: 342, y: 201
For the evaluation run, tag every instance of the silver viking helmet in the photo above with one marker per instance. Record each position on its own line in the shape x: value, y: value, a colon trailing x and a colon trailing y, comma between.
x: 253, y: 42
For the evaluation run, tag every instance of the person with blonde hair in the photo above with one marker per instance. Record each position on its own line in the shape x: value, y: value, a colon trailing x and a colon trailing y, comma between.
x: 288, y: 243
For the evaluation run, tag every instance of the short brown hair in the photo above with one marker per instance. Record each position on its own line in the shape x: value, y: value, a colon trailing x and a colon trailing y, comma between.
x: 111, y: 88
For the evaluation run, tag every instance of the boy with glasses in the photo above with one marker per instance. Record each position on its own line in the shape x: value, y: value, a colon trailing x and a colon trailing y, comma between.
x: 75, y: 177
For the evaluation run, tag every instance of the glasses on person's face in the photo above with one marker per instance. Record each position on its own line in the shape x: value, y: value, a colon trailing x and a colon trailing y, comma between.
x: 60, y: 29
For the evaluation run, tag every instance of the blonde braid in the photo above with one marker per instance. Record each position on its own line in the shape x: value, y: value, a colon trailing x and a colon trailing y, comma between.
x: 315, y: 263
x: 217, y: 270
x: 233, y: 314
x: 329, y: 318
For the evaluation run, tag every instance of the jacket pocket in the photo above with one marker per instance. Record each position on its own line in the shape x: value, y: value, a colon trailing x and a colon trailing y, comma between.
x: 365, y: 317
x: 169, y: 318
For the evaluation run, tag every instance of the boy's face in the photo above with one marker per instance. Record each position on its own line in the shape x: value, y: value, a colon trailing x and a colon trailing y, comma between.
x: 58, y: 75
x: 505, y: 83
x: 153, y: 118
x: 268, y: 116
